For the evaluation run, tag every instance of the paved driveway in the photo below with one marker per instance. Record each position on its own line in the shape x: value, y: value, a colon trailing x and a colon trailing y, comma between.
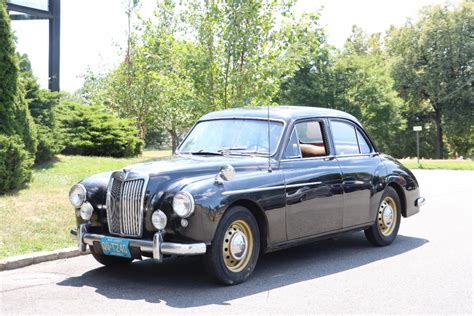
x: 428, y: 269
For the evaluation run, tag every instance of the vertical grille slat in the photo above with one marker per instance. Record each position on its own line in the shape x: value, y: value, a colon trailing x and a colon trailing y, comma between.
x: 125, y: 201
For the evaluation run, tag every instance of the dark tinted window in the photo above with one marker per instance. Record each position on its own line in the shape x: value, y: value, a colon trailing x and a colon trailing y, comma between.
x: 293, y: 149
x: 345, y: 139
x: 363, y: 144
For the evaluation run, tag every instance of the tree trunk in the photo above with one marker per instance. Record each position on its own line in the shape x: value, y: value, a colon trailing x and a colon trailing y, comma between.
x: 174, y: 140
x: 439, y: 133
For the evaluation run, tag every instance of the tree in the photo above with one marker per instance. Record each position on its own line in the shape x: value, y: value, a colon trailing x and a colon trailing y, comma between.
x: 355, y: 79
x: 248, y: 48
x: 41, y: 104
x: 17, y: 130
x: 433, y: 64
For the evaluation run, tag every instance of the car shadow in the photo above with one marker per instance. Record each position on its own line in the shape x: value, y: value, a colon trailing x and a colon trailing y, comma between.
x: 183, y: 282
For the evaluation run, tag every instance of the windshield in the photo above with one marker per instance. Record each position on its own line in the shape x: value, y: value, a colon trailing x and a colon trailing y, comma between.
x: 233, y: 136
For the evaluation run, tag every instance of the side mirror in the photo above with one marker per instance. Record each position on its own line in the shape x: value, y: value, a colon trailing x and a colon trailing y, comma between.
x: 226, y: 173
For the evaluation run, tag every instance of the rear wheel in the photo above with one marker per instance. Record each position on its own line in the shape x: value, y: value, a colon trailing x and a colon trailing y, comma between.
x: 233, y: 254
x: 109, y: 261
x: 385, y: 229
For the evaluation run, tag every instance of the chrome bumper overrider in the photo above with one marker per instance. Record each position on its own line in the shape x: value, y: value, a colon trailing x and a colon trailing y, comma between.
x: 420, y: 201
x: 157, y: 247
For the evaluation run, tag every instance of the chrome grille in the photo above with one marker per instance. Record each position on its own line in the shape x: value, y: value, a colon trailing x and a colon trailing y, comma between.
x: 125, y: 200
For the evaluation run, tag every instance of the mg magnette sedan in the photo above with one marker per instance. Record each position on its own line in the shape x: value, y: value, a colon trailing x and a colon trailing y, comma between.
x: 244, y: 182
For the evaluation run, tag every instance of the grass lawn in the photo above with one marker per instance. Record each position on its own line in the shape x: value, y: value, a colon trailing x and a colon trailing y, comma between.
x: 40, y: 216
x: 439, y: 164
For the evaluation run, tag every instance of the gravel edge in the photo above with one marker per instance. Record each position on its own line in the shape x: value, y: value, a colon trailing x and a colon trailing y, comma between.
x: 38, y: 257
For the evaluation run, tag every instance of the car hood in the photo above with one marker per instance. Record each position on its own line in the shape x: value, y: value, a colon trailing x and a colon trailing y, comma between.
x: 194, y: 164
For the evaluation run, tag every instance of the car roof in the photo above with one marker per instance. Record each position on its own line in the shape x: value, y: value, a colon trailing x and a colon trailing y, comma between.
x: 284, y: 112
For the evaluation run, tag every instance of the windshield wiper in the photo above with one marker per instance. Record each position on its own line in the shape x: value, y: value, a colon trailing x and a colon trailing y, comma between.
x: 203, y: 152
x: 229, y: 149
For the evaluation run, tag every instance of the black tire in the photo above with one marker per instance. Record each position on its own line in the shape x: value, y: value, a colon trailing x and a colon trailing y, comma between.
x: 378, y: 234
x: 109, y: 261
x: 216, y: 257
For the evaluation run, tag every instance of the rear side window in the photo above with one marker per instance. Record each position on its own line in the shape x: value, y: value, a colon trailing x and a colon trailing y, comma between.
x: 345, y: 139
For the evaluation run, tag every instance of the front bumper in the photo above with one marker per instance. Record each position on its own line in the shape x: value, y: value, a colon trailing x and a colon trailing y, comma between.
x: 157, y: 247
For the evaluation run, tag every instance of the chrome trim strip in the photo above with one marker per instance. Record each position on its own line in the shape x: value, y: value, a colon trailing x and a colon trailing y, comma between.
x: 297, y: 185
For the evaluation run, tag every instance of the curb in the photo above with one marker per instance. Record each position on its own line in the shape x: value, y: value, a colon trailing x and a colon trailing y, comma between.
x: 38, y: 257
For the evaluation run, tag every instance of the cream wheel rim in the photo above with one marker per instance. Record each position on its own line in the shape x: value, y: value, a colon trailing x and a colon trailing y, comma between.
x: 237, y: 246
x: 387, y: 216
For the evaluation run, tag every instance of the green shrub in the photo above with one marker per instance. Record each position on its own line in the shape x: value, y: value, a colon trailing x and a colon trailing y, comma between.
x: 42, y: 107
x: 89, y: 130
x: 15, y: 163
x: 17, y: 129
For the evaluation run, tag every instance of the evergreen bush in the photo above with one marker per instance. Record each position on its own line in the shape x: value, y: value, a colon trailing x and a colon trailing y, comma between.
x: 89, y: 130
x: 17, y: 130
x: 15, y: 163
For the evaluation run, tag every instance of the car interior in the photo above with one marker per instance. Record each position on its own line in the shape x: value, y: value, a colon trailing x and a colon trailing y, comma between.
x: 311, y: 140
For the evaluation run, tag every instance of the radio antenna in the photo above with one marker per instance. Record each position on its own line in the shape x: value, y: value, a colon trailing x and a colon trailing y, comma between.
x: 268, y: 130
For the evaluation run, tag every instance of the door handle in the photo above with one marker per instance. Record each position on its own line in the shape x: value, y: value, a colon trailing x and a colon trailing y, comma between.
x: 328, y: 158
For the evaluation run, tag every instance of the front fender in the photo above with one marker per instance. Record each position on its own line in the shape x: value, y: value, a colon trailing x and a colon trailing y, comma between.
x: 212, y: 199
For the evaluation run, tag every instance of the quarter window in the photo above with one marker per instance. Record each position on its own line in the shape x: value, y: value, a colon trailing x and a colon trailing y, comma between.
x: 363, y: 144
x: 293, y: 149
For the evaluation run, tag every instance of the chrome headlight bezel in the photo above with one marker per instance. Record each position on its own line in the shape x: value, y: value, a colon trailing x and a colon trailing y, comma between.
x: 183, y: 204
x: 77, y: 195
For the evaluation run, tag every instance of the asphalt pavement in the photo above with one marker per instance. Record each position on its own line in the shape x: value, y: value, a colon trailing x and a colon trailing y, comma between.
x: 428, y: 269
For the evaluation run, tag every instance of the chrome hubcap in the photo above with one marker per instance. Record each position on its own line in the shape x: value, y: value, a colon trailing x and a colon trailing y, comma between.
x: 238, y: 246
x: 387, y: 216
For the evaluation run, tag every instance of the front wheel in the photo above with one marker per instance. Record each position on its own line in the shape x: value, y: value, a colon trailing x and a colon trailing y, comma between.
x: 233, y: 254
x: 385, y: 229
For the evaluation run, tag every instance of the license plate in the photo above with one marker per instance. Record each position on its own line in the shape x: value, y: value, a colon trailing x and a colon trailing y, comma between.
x: 112, y: 246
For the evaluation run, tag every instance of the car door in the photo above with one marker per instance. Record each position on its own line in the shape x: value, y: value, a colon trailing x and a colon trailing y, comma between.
x: 358, y: 162
x: 314, y: 201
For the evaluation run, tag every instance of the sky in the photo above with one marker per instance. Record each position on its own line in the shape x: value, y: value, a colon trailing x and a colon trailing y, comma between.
x: 92, y: 31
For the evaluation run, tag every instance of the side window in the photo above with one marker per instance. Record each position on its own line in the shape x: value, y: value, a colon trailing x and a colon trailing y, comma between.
x: 293, y: 149
x: 310, y: 136
x: 364, y: 146
x: 345, y: 139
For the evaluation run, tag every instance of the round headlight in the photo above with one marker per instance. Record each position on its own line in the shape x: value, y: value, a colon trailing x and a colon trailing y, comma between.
x: 159, y: 219
x: 86, y: 211
x: 77, y: 195
x: 183, y: 204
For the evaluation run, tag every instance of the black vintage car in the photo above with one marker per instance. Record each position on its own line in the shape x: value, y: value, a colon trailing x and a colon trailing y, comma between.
x: 244, y: 182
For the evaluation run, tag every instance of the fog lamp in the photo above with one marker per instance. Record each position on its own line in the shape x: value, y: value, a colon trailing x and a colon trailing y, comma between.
x: 159, y: 220
x: 86, y: 211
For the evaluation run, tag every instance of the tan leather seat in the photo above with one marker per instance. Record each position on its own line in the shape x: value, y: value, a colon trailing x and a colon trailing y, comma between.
x: 308, y: 150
